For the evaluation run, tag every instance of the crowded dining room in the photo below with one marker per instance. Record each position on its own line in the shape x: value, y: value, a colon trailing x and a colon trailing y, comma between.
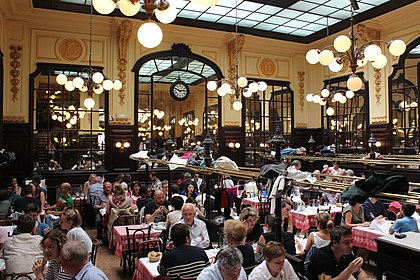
x: 209, y: 139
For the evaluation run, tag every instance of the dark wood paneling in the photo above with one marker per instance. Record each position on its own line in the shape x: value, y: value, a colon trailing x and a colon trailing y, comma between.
x: 117, y: 160
x: 381, y: 133
x: 232, y: 134
x: 16, y: 139
x: 301, y: 137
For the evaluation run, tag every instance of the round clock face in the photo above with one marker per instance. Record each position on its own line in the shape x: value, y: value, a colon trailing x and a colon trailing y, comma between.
x: 179, y: 90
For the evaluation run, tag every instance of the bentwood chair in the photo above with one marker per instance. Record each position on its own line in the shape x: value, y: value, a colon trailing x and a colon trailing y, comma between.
x: 130, y: 255
x: 147, y: 246
x: 94, y: 252
x: 18, y: 276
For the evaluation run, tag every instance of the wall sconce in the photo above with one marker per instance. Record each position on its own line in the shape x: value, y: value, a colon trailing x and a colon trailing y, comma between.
x: 233, y: 145
x: 122, y: 146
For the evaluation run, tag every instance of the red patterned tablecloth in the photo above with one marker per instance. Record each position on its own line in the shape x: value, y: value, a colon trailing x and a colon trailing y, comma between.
x: 120, y: 238
x: 253, y: 201
x: 364, y: 237
x: 306, y: 219
x: 146, y: 270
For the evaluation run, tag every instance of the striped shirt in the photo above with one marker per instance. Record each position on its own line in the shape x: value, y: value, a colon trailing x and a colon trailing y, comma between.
x: 56, y: 272
x: 184, y: 260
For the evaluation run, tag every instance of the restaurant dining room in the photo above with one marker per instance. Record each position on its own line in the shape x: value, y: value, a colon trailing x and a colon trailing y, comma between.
x: 209, y: 139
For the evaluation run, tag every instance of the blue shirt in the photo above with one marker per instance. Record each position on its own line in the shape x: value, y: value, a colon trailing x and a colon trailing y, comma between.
x: 94, y: 191
x: 405, y: 224
x: 90, y: 272
x: 212, y: 272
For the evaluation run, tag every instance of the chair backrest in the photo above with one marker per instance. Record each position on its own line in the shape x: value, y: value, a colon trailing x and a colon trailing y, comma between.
x: 337, y: 218
x: 146, y: 246
x: 297, y: 264
x: 213, y: 230
x: 141, y: 215
x: 5, y: 223
x: 249, y: 269
x: 94, y: 252
x: 131, y: 237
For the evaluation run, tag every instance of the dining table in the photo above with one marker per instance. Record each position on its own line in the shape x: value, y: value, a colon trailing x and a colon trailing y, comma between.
x: 120, y: 238
x: 147, y: 270
x: 305, y: 218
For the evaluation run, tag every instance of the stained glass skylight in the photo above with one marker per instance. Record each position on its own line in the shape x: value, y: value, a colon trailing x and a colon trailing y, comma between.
x: 301, y: 21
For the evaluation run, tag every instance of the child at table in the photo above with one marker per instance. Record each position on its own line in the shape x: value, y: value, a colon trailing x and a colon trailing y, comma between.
x: 406, y: 223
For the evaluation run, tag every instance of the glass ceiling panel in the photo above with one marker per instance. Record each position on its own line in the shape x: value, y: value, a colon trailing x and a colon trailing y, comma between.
x: 308, y: 16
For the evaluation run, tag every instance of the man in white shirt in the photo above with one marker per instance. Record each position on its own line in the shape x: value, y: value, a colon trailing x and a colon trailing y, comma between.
x: 275, y: 266
x: 199, y: 235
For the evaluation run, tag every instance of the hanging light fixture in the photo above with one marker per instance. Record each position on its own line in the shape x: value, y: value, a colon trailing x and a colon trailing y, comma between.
x: 149, y: 34
x: 358, y: 56
x: 90, y: 80
x: 331, y: 94
x: 240, y: 85
x: 207, y: 3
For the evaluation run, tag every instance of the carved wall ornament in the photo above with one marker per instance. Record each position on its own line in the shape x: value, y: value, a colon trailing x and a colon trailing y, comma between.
x: 267, y: 67
x: 70, y: 49
x: 377, y: 82
x: 232, y: 54
x: 379, y: 120
x: 301, y: 125
x: 124, y: 33
x: 15, y: 55
x: 13, y: 119
x: 301, y: 79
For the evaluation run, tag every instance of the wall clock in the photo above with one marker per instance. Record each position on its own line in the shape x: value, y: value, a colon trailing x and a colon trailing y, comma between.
x: 179, y: 90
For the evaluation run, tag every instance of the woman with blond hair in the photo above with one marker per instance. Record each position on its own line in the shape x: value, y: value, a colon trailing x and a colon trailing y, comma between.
x: 71, y: 221
x: 235, y: 233
x: 321, y: 237
x: 118, y: 204
x: 249, y: 217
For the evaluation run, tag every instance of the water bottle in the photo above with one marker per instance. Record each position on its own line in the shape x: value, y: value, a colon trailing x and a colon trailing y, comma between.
x: 234, y: 211
x: 317, y: 202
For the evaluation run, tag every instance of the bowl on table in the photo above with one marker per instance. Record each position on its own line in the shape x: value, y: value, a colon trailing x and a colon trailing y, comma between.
x: 154, y: 256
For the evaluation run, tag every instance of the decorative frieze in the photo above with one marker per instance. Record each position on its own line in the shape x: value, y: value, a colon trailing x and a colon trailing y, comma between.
x: 301, y: 79
x: 15, y: 55
x: 124, y: 33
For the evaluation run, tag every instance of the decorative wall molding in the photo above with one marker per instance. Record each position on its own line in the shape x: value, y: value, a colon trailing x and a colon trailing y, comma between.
x: 15, y: 55
x: 301, y: 79
x: 267, y: 67
x: 379, y: 120
x: 124, y: 33
x: 378, y: 85
x: 232, y: 48
x: 13, y: 119
x: 70, y: 49
x: 231, y: 123
x: 301, y: 125
x: 120, y: 122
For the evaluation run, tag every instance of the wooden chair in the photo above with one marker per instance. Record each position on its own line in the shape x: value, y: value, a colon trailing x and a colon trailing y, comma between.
x: 147, y: 246
x: 249, y: 269
x: 94, y: 252
x: 130, y: 255
x: 297, y: 264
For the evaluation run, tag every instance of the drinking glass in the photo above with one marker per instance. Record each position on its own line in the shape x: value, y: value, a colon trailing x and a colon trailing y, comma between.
x: 215, y: 245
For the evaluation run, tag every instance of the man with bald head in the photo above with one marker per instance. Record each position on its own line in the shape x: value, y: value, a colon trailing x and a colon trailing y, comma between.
x: 156, y: 210
x: 199, y: 235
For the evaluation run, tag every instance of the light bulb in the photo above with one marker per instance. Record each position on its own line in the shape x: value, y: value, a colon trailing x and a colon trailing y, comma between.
x: 237, y: 105
x: 126, y: 144
x: 61, y: 79
x: 342, y: 43
x: 362, y: 62
x: 337, y: 96
x: 156, y: 112
x: 237, y: 145
x: 397, y: 47
x: 73, y: 121
x: 98, y: 89
x: 69, y: 86
x: 226, y: 88
x: 253, y: 87
x: 54, y: 117
x: 334, y: 66
x: 246, y: 92
x: 128, y: 8
x: 312, y: 56
x: 221, y: 92
x: 354, y: 83
x: 117, y: 85
x: 322, y: 102
x: 78, y: 82
x: 84, y: 88
x: 326, y: 57
x: 380, y: 62
x: 325, y: 92
x: 97, y: 77
x: 68, y: 125
x: 262, y: 86
x: 317, y: 98
x: 309, y: 97
x: 118, y: 145
x: 104, y: 7
x: 378, y: 144
x: 349, y: 94
x: 372, y: 52
x: 89, y: 103
x: 330, y: 111
x: 342, y: 99
x: 242, y: 82
x: 71, y: 108
x: 108, y: 84
x: 212, y: 85
x: 168, y: 15
x: 149, y: 34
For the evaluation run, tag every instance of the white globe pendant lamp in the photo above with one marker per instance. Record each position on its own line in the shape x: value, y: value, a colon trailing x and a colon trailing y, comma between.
x: 150, y: 34
x: 354, y: 83
x: 129, y: 8
x: 104, y: 7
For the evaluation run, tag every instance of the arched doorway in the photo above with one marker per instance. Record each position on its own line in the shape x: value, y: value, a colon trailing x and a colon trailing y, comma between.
x: 171, y: 98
